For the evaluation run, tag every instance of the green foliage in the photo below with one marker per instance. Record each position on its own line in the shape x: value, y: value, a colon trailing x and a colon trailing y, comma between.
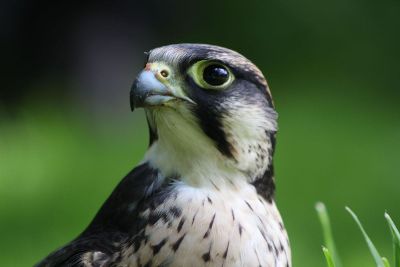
x: 330, y: 251
x: 396, y: 240
x: 328, y: 257
x: 385, y: 262
x: 375, y: 254
x: 332, y: 260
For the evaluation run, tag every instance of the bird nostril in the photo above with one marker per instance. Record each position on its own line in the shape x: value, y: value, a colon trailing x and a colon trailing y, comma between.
x: 164, y: 73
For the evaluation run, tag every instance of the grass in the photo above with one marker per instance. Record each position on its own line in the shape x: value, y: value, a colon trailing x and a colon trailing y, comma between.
x: 330, y: 252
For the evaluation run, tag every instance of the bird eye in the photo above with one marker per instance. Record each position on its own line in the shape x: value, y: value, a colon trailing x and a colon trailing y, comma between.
x: 211, y: 75
x: 215, y: 75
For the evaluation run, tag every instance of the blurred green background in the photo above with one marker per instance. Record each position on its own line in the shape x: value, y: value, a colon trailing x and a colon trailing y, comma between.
x: 67, y: 135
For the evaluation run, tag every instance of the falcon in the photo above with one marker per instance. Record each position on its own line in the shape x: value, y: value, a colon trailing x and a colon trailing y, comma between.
x: 203, y: 194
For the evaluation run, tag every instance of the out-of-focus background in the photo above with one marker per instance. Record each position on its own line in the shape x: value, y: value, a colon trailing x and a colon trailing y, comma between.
x: 67, y: 135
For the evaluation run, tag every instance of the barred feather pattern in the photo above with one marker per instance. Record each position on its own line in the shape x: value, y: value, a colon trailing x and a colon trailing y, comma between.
x: 209, y: 227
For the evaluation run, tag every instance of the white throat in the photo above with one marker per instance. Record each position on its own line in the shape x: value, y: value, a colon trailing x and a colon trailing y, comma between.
x: 182, y: 149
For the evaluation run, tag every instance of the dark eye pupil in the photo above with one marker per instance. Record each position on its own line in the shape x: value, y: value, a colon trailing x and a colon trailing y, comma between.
x: 215, y: 75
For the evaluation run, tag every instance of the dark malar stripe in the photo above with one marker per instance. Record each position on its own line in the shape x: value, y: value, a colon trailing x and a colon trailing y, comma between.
x: 209, y: 116
x: 212, y: 127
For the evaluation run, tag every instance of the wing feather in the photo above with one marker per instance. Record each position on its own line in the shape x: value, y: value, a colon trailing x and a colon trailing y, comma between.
x: 116, y: 223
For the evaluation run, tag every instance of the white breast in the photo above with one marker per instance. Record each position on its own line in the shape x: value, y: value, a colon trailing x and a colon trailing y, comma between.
x: 214, y: 227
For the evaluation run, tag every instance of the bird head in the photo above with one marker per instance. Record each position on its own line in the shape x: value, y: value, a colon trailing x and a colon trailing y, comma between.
x: 210, y: 114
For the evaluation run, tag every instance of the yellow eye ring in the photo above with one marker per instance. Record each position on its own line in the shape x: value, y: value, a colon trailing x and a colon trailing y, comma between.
x: 211, y: 75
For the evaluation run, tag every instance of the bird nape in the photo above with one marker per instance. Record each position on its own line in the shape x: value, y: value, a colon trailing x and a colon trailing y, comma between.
x: 204, y: 193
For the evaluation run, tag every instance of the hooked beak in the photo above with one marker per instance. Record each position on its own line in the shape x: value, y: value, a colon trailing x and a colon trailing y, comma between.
x: 148, y: 91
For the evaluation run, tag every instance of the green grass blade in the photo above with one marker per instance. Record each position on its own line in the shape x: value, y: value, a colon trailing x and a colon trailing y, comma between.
x: 327, y: 233
x: 328, y: 257
x: 378, y: 259
x: 386, y: 262
x: 396, y: 240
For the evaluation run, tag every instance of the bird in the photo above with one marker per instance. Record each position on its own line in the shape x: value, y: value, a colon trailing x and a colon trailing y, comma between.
x: 204, y: 193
